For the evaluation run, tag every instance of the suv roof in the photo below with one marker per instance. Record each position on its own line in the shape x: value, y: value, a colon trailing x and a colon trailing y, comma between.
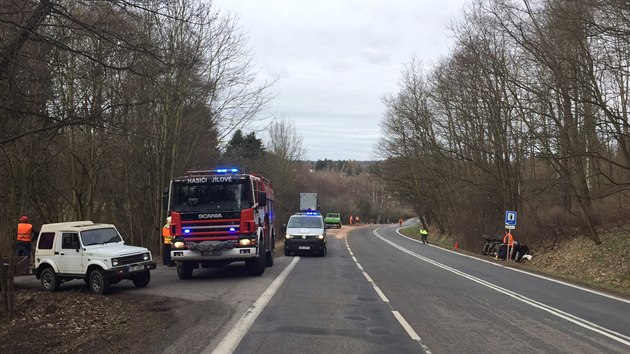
x: 73, y: 225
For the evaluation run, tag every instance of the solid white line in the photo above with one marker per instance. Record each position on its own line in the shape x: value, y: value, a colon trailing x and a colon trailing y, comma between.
x: 621, y: 338
x: 524, y: 271
x: 236, y: 334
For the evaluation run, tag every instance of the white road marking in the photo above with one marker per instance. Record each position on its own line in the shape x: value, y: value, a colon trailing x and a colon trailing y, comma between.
x: 552, y: 310
x: 524, y: 271
x: 397, y: 315
x: 236, y: 334
x: 380, y: 293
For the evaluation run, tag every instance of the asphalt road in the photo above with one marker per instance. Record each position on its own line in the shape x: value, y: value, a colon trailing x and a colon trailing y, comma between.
x: 451, y: 304
x: 377, y: 291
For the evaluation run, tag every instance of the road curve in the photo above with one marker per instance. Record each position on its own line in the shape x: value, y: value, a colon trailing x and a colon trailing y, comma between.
x: 461, y: 304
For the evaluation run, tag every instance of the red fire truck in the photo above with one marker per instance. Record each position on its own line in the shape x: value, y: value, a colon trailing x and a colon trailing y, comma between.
x: 221, y: 216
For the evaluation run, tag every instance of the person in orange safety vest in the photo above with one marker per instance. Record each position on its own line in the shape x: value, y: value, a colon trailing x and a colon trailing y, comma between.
x: 167, y: 240
x: 25, y: 237
x: 508, y: 239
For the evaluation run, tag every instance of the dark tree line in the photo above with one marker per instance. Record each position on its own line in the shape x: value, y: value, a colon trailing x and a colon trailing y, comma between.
x: 103, y: 102
x: 529, y: 113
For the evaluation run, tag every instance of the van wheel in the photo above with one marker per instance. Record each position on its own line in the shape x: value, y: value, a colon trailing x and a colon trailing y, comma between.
x: 50, y: 281
x: 142, y: 279
x: 99, y: 283
x: 184, y: 270
x: 323, y: 252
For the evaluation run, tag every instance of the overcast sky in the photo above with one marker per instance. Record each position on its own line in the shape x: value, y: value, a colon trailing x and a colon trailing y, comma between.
x: 335, y: 60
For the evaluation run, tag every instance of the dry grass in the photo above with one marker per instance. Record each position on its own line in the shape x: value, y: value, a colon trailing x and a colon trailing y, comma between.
x: 579, y: 260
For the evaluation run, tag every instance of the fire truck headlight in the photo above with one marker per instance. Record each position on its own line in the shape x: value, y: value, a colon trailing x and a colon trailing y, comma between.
x: 146, y: 257
x: 288, y: 237
x: 321, y: 237
x: 244, y: 242
x: 114, y: 262
x: 178, y: 245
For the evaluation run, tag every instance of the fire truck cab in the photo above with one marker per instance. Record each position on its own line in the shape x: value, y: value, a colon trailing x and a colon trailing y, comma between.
x: 221, y: 216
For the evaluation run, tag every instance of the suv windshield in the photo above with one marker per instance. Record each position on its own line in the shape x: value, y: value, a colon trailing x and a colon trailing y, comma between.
x: 215, y: 196
x: 100, y: 236
x: 307, y: 222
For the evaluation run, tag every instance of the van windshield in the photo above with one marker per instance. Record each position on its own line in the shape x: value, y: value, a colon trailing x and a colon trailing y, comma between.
x: 305, y: 222
x: 100, y: 236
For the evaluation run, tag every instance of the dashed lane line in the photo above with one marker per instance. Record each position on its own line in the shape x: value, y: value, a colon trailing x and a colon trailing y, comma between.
x: 410, y: 331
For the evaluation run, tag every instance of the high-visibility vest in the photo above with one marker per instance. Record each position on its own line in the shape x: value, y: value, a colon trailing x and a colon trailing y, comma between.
x: 166, y: 234
x: 24, y: 232
x: 509, y: 239
x: 424, y: 232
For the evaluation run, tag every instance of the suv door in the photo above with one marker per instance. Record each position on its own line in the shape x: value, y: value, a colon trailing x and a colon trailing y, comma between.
x: 70, y: 254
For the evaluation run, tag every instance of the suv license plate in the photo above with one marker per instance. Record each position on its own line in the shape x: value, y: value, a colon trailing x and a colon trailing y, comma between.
x: 304, y: 247
x: 135, y: 268
x: 211, y: 253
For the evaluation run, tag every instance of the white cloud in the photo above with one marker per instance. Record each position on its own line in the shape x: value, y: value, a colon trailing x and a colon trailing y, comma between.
x: 335, y: 60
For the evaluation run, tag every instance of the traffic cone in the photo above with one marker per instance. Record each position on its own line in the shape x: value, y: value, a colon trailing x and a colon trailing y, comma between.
x: 456, y: 245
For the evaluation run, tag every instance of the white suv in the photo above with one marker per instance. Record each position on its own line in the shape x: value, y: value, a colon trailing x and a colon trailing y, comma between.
x: 93, y: 252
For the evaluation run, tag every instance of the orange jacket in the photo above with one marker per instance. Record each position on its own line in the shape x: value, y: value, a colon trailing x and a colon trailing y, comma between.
x: 24, y: 232
x: 166, y: 234
x: 509, y: 239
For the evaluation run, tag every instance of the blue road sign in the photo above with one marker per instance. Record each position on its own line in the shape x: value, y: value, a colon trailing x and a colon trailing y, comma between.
x: 510, y: 218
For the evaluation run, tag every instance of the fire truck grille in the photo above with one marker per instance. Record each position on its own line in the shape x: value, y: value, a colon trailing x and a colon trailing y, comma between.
x: 192, y: 229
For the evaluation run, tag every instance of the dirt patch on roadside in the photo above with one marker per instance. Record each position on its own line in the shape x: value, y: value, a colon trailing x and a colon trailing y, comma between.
x: 79, y: 322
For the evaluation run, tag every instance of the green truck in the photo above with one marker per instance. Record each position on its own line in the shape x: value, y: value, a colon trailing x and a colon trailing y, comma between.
x: 333, y: 219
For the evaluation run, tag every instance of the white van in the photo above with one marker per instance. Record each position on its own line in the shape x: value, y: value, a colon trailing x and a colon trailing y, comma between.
x: 305, y: 233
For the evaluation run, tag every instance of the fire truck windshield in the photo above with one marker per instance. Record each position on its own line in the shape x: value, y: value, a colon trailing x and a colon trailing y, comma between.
x: 211, y: 196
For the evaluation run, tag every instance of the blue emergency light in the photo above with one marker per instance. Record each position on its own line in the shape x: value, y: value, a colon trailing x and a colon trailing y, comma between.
x: 226, y: 170
x: 232, y: 229
x: 186, y: 231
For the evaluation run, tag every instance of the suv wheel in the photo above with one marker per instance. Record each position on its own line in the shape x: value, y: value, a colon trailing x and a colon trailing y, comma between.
x: 50, y: 281
x: 99, y: 283
x: 142, y: 279
x: 184, y: 270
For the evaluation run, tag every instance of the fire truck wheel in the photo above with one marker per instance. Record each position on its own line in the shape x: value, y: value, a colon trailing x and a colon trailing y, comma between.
x: 256, y: 266
x: 50, y: 280
x: 184, y: 270
x: 269, y: 258
x: 142, y: 279
x: 99, y: 283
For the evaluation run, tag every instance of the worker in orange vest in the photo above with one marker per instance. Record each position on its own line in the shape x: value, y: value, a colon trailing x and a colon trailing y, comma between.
x: 400, y: 221
x: 167, y: 240
x: 508, y: 239
x: 24, y: 237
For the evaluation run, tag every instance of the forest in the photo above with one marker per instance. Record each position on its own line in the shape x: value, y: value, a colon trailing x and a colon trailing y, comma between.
x: 529, y: 112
